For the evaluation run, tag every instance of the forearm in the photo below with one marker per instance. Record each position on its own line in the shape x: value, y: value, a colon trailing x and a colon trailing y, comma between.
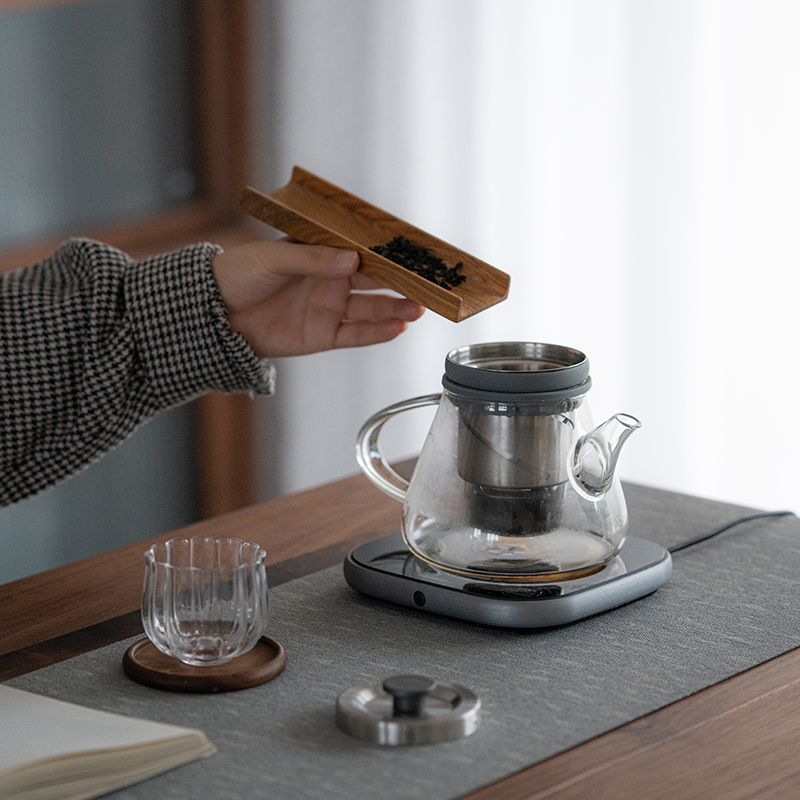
x: 92, y: 344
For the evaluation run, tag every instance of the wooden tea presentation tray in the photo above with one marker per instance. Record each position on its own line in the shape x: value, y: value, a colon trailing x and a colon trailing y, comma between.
x: 313, y: 211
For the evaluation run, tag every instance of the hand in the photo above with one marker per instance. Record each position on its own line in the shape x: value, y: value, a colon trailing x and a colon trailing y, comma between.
x: 290, y: 299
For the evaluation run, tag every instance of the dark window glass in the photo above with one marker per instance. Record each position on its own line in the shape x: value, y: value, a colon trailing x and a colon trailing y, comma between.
x: 94, y: 115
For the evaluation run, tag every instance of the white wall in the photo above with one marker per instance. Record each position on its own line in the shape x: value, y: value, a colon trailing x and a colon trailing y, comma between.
x: 632, y: 165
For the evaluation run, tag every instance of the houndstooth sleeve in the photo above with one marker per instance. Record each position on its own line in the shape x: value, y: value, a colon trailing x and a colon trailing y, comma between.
x: 93, y: 344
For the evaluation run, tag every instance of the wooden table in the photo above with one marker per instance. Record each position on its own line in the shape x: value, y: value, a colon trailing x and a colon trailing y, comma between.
x: 737, y: 739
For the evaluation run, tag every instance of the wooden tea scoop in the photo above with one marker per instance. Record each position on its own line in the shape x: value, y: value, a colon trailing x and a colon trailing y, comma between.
x: 313, y: 211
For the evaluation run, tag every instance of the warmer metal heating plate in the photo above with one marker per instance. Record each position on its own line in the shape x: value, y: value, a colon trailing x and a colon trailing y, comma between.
x: 385, y: 569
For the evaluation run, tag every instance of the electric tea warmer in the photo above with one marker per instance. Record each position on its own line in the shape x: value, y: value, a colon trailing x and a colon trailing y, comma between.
x: 514, y: 515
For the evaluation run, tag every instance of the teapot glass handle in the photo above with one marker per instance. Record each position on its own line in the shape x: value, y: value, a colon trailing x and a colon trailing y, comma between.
x: 368, y: 452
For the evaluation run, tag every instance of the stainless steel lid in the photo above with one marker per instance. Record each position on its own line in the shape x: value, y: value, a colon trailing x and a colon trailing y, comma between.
x: 517, y: 367
x: 408, y: 709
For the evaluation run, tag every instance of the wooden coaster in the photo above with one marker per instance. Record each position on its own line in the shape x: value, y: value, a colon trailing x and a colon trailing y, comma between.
x: 146, y: 664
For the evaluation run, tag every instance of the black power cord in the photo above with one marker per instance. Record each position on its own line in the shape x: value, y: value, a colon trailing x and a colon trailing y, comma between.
x: 704, y: 536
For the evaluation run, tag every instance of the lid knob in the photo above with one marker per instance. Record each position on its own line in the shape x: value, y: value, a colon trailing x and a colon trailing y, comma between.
x: 424, y: 711
x: 409, y: 693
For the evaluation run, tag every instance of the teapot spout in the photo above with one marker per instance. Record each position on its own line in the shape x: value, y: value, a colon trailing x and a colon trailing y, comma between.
x: 594, y: 459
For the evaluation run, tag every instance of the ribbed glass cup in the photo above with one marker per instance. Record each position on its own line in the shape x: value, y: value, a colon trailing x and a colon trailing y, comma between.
x: 204, y: 600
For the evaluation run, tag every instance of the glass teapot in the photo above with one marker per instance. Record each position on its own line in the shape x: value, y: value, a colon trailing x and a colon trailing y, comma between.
x: 514, y: 482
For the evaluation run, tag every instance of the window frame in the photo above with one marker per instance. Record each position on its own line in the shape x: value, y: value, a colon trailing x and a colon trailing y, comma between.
x: 221, y: 123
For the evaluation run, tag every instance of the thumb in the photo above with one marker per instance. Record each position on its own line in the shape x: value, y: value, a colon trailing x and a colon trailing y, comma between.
x: 287, y: 258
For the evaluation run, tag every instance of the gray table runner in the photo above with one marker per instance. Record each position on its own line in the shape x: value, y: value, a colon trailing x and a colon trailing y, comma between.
x: 731, y: 604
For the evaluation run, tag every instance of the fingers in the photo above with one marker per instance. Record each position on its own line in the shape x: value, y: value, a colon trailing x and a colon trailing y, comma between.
x: 361, y: 283
x: 380, y: 307
x: 375, y: 318
x: 361, y: 334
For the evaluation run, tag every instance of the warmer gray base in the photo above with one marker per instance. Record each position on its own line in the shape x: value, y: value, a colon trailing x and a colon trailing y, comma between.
x: 640, y: 569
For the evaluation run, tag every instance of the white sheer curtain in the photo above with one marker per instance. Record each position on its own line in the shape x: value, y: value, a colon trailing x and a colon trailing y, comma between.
x: 633, y: 164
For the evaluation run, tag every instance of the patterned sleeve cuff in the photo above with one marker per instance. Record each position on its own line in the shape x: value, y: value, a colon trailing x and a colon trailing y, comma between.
x: 181, y: 326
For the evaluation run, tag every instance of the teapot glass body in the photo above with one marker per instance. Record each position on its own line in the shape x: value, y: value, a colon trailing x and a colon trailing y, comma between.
x: 514, y: 481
